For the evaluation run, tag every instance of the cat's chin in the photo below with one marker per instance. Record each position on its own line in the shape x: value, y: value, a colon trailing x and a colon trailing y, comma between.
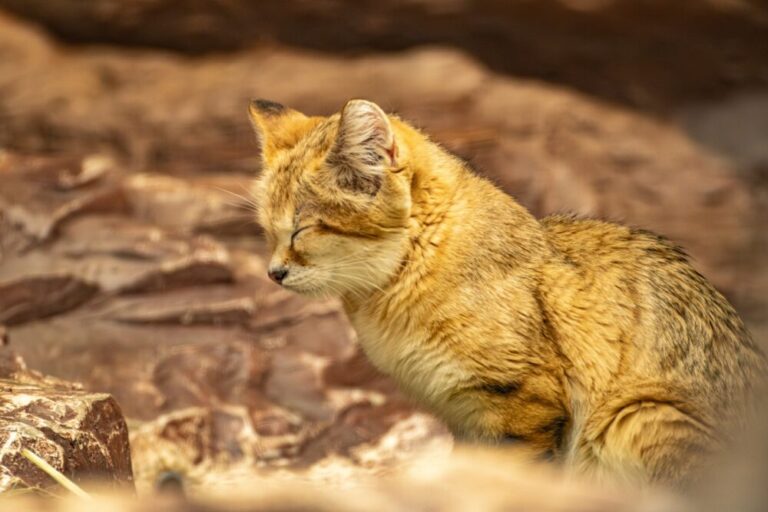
x: 310, y: 292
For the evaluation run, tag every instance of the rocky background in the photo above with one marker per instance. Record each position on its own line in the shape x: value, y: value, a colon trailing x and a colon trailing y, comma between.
x: 132, y: 275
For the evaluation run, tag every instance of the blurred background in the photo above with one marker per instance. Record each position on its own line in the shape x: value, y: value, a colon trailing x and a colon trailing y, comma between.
x: 130, y: 262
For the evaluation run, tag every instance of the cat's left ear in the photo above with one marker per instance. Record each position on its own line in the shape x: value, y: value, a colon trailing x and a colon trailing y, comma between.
x: 365, y: 146
x: 277, y: 126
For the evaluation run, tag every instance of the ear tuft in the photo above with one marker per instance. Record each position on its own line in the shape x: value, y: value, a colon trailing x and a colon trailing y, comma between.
x: 276, y: 126
x: 365, y: 146
x: 260, y: 107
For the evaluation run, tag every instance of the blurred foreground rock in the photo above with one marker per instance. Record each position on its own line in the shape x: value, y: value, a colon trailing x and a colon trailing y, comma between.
x: 82, y: 434
x: 468, y: 481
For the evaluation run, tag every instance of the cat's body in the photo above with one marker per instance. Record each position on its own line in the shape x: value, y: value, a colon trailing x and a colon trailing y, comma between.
x: 586, y: 341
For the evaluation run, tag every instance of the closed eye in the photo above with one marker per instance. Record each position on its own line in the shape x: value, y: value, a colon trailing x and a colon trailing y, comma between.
x: 300, y: 230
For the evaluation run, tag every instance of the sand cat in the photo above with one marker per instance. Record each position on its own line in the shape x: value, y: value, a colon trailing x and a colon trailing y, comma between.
x: 591, y: 343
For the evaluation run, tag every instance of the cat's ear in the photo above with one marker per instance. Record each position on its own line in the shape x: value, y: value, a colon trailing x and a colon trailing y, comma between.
x: 277, y: 126
x: 365, y: 147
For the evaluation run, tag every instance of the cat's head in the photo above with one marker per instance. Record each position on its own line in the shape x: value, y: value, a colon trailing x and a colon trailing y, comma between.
x: 333, y: 197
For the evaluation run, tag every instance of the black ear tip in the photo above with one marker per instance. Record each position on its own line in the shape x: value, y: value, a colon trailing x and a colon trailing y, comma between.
x: 266, y: 107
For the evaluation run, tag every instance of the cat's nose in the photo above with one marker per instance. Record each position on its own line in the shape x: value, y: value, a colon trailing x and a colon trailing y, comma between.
x: 277, y: 274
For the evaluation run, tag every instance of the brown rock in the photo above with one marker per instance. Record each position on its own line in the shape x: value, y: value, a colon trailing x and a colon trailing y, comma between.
x: 12, y: 237
x: 356, y: 425
x: 194, y: 441
x: 356, y: 371
x: 195, y: 346
x: 39, y: 193
x: 81, y: 434
x: 222, y: 446
x: 37, y: 297
x: 149, y: 369
x: 215, y: 206
x: 295, y: 381
x: 120, y: 255
x: 608, y: 48
x: 13, y: 368
x: 212, y: 305
x: 211, y: 374
x: 275, y: 422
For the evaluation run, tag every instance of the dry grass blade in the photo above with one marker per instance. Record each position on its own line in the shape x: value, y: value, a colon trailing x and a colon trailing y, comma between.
x: 21, y: 490
x: 55, y: 474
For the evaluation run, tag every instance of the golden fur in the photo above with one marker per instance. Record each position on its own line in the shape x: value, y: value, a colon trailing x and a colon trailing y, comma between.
x: 592, y: 343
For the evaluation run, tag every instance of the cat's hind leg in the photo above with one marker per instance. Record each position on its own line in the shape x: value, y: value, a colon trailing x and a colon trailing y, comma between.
x: 649, y: 442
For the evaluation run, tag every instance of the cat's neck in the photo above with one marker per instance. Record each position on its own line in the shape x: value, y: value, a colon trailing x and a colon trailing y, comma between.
x: 455, y: 217
x: 450, y: 201
x: 435, y: 178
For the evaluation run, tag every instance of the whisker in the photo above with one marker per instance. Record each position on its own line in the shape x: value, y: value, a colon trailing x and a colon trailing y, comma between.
x: 360, y: 281
x: 243, y: 200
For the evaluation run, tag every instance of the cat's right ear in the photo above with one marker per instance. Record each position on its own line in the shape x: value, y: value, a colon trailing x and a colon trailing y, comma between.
x: 276, y: 126
x: 365, y: 147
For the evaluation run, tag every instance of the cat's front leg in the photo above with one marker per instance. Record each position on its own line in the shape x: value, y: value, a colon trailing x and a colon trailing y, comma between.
x: 525, y: 415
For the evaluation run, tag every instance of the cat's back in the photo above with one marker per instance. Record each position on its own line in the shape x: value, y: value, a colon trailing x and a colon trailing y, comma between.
x: 639, y: 259
x: 581, y: 240
x: 660, y: 316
